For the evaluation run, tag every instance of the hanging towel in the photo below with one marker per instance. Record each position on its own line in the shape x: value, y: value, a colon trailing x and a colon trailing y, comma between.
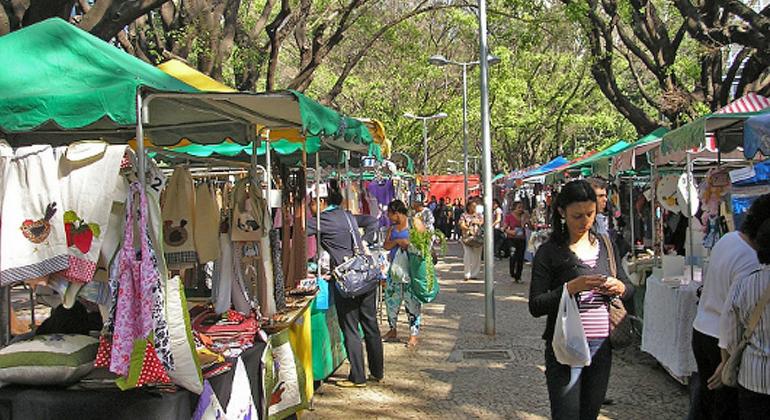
x: 33, y: 239
x: 223, y: 276
x: 206, y: 224
x: 178, y: 212
x: 88, y: 174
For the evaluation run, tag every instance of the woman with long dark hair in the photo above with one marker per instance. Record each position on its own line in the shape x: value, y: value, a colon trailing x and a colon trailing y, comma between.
x: 577, y: 258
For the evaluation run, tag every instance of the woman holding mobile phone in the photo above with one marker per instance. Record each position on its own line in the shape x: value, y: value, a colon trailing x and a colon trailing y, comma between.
x: 577, y: 258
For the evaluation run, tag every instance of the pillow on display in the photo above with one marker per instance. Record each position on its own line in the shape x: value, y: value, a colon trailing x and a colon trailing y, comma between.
x: 187, y: 371
x: 54, y: 359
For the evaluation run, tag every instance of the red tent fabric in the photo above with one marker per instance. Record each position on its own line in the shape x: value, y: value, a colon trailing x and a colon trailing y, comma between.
x: 451, y: 186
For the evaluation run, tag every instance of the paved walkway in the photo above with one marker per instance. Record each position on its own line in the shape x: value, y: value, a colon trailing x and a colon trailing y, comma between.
x: 431, y: 383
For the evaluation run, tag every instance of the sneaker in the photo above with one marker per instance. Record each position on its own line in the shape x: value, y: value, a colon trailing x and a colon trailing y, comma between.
x: 349, y: 384
x: 373, y: 378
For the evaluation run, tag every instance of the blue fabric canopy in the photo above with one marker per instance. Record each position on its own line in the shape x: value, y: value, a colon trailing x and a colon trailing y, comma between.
x: 548, y: 167
x: 756, y: 136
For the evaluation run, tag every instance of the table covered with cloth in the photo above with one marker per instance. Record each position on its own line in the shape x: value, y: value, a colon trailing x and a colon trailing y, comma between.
x: 669, y: 312
x: 42, y: 403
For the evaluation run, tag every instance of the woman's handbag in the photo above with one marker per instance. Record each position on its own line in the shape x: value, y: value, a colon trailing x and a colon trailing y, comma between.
x: 570, y: 345
x: 358, y: 274
x: 473, y: 236
x: 621, y: 329
x: 733, y: 365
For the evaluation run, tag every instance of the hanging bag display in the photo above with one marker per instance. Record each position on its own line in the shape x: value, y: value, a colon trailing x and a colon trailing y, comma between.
x: 622, y: 332
x: 358, y: 274
x: 247, y: 214
x: 136, y: 342
x: 178, y: 214
x: 570, y: 345
x: 733, y: 365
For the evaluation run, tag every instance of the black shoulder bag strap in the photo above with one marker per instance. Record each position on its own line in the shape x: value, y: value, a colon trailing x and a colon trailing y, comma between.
x: 358, y: 247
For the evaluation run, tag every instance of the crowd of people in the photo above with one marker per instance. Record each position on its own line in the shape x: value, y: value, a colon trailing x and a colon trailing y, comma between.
x: 581, y: 258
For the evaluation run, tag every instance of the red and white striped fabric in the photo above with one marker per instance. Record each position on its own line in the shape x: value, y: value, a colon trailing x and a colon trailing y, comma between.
x: 751, y: 102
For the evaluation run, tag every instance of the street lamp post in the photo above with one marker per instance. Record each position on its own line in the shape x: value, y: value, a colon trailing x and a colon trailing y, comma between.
x: 425, y: 134
x: 440, y: 60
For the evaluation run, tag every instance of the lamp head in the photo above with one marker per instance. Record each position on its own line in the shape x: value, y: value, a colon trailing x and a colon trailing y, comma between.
x: 409, y: 115
x: 440, y: 115
x: 438, y: 60
x: 493, y: 59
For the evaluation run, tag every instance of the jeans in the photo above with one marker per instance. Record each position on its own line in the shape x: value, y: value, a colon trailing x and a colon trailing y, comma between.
x: 578, y: 392
x: 516, y: 262
x: 753, y: 405
x: 723, y: 402
x: 352, y: 312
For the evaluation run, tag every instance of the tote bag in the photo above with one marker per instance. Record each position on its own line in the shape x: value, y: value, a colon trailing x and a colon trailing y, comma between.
x: 570, y: 345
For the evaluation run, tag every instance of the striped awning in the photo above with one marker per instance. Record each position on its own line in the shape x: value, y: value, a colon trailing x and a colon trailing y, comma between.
x: 751, y: 102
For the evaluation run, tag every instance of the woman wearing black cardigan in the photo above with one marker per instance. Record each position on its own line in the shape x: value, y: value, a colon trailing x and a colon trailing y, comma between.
x: 575, y: 257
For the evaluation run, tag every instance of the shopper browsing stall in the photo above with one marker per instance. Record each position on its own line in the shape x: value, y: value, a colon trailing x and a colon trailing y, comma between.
x: 747, y: 311
x: 399, y: 288
x: 733, y: 258
x: 359, y: 311
x: 515, y: 234
x: 578, y: 259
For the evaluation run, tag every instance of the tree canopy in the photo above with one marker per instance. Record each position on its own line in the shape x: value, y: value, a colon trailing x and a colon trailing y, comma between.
x: 574, y: 75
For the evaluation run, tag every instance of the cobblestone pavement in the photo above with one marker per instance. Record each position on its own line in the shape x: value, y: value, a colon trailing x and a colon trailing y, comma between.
x: 431, y: 383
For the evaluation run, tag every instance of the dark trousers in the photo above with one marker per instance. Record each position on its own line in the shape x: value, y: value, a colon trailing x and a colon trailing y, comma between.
x: 578, y: 393
x: 500, y: 244
x: 516, y: 262
x: 723, y: 402
x: 351, y: 313
x: 753, y: 405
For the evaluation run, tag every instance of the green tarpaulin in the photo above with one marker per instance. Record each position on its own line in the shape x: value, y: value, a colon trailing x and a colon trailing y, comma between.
x: 613, y: 150
x: 55, y: 72
x: 693, y: 134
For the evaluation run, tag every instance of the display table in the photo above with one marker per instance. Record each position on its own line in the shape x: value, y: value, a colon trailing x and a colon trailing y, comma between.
x: 667, y: 333
x: 26, y: 402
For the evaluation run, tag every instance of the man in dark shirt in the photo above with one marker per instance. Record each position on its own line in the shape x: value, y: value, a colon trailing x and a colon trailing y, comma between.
x: 336, y: 239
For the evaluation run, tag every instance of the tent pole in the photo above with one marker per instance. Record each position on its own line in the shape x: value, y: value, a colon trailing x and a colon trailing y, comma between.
x: 653, y: 199
x: 690, y: 180
x: 269, y: 169
x: 318, y: 211
x: 5, y: 315
x: 631, y: 216
x: 141, y: 163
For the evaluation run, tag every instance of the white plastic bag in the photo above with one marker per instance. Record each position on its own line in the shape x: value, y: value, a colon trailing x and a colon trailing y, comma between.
x: 399, y: 268
x: 569, y: 339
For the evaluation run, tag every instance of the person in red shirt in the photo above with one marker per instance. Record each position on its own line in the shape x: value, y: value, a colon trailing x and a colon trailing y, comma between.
x: 514, y: 227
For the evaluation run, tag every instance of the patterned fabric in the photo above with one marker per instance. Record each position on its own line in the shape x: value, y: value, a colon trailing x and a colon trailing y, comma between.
x: 181, y: 258
x: 139, y: 306
x: 280, y: 292
x: 395, y: 293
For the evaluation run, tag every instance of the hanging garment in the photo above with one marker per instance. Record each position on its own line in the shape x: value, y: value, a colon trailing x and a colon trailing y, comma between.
x: 299, y: 243
x: 89, y: 173
x: 206, y: 224
x: 222, y: 284
x: 178, y: 212
x: 137, y: 312
x: 241, y: 299
x: 33, y: 238
x: 279, y: 287
x: 248, y: 213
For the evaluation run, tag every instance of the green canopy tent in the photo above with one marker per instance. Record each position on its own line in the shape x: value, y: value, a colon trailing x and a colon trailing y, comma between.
x: 63, y: 84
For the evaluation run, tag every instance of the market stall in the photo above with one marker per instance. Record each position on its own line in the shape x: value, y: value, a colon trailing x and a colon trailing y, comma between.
x: 66, y: 86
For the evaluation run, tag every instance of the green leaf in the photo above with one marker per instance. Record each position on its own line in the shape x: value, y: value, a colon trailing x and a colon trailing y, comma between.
x: 95, y: 229
x: 70, y: 217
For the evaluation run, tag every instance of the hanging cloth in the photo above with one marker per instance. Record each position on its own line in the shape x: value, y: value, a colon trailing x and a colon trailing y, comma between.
x: 278, y: 283
x: 136, y: 345
x: 222, y: 284
x: 89, y: 172
x: 206, y: 223
x: 178, y: 213
x: 33, y: 238
x: 248, y: 213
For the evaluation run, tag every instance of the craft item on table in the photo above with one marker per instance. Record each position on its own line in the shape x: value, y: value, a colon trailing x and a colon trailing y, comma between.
x: 135, y: 343
x: 230, y: 330
x: 248, y: 212
x: 208, y: 405
x: 88, y: 174
x: 667, y: 192
x: 241, y: 405
x: 33, y: 238
x: 278, y: 283
x: 217, y: 369
x: 284, y: 378
x: 206, y: 223
x: 178, y: 215
x: 687, y: 195
x: 187, y: 371
x: 54, y: 359
x: 306, y: 287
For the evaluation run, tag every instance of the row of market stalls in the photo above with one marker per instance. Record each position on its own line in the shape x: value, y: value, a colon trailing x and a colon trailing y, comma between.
x: 673, y: 194
x: 222, y: 312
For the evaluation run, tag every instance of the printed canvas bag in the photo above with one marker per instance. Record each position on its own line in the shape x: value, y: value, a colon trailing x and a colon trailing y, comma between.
x: 178, y: 214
